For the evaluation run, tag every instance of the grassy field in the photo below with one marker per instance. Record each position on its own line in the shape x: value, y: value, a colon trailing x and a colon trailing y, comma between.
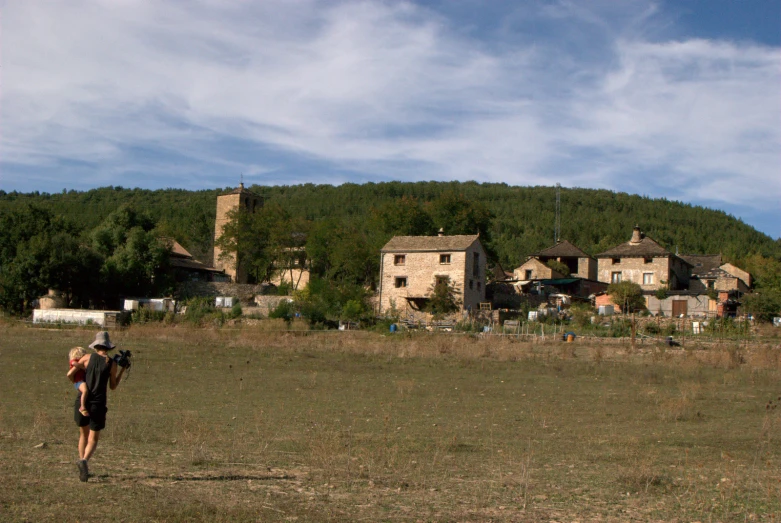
x: 253, y: 425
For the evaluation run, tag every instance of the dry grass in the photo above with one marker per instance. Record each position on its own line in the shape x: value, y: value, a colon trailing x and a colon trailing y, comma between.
x: 256, y: 423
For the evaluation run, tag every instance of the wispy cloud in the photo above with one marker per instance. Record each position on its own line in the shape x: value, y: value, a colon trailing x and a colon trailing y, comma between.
x: 192, y: 93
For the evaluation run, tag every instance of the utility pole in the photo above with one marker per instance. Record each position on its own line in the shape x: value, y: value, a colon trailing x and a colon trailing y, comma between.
x: 557, y: 226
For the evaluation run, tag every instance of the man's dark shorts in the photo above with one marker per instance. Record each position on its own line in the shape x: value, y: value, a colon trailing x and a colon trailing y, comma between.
x: 96, y: 419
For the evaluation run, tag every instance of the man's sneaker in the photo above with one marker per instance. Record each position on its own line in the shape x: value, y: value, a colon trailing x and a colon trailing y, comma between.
x: 83, y: 470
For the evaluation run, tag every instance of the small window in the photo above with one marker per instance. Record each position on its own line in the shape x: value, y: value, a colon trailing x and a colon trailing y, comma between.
x: 442, y: 280
x: 444, y: 259
x: 401, y: 282
x: 471, y: 284
x: 615, y: 277
x: 528, y: 274
x: 399, y: 259
x: 648, y: 260
x: 478, y: 286
x: 476, y: 264
x: 616, y: 260
x: 648, y: 278
x: 711, y: 284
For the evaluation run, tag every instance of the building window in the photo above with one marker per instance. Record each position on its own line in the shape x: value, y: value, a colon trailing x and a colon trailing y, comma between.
x: 444, y: 259
x: 476, y: 265
x: 471, y: 284
x: 401, y: 282
x: 648, y: 278
x: 648, y: 260
x: 442, y: 280
x: 616, y: 260
x: 615, y: 277
x: 528, y: 275
x: 711, y: 284
x: 478, y: 286
x: 399, y: 259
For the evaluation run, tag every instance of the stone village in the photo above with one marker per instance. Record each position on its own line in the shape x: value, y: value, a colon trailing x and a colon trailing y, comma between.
x: 673, y: 285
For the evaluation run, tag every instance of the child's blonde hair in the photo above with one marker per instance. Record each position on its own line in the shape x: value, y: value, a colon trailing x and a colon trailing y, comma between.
x: 76, y: 353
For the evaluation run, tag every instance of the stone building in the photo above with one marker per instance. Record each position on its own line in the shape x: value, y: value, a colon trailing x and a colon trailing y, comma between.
x: 239, y: 198
x: 534, y: 269
x: 411, y: 266
x: 643, y: 261
x: 187, y: 268
x: 710, y: 274
x: 580, y: 264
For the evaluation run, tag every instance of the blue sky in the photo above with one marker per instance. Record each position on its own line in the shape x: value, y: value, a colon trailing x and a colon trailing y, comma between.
x: 680, y: 100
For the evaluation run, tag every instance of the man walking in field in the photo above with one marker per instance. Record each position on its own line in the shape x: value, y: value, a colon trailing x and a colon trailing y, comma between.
x: 101, y: 372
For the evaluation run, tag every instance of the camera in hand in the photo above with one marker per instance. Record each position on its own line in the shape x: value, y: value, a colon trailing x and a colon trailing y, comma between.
x: 123, y: 358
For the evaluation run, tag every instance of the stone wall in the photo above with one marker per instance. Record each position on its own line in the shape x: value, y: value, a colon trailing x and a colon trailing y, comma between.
x: 246, y: 293
x: 587, y: 269
x: 539, y: 271
x: 225, y: 204
x: 633, y: 268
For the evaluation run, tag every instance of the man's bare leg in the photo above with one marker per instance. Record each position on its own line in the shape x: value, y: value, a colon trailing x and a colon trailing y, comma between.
x: 83, y: 437
x: 92, y: 444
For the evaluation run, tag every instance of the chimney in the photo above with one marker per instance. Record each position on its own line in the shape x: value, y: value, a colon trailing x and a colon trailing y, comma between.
x: 441, y: 231
x: 637, y: 236
x: 241, y: 186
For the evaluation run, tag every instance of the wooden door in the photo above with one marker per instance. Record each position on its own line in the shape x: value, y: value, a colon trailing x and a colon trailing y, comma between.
x: 680, y: 308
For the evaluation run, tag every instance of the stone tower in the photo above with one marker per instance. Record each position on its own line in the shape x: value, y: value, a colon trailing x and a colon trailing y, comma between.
x: 237, y: 198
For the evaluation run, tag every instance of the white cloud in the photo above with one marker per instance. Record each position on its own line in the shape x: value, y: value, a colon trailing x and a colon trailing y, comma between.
x: 390, y: 90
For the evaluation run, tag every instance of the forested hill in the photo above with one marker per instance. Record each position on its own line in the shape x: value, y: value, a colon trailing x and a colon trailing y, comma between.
x: 523, y: 217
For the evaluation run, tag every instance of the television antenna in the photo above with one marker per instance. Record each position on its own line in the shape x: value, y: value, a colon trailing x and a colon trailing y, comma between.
x: 557, y: 225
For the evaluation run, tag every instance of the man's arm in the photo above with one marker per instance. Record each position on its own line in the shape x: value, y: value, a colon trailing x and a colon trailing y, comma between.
x: 114, y: 378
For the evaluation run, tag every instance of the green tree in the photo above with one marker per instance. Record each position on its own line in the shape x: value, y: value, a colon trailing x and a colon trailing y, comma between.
x: 443, y: 298
x: 763, y: 305
x: 627, y: 295
x: 559, y: 267
x: 403, y: 217
x: 457, y: 214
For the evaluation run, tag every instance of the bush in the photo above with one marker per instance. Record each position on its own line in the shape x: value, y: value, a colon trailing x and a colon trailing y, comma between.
x: 284, y: 310
x: 198, y: 309
x: 235, y: 311
x: 146, y: 315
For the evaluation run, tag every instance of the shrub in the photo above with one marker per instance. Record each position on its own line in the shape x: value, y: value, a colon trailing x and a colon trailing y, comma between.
x: 146, y: 315
x: 235, y: 311
x: 198, y: 309
x: 284, y: 288
x: 284, y: 310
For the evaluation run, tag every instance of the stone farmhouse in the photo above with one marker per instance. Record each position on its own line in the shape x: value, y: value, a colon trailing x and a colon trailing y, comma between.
x: 411, y: 266
x: 580, y: 264
x: 709, y: 273
x: 697, y: 285
x: 643, y: 261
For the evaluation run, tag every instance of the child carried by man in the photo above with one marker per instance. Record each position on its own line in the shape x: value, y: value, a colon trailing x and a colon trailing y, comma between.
x: 78, y: 374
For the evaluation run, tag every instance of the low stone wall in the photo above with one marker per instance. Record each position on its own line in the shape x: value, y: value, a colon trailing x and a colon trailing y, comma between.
x: 246, y: 293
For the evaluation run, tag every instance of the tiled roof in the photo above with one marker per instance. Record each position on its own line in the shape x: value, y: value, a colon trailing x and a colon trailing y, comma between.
x: 177, y: 251
x: 430, y: 243
x: 645, y: 247
x: 241, y: 190
x: 562, y: 249
x: 702, y: 263
x: 191, y: 264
